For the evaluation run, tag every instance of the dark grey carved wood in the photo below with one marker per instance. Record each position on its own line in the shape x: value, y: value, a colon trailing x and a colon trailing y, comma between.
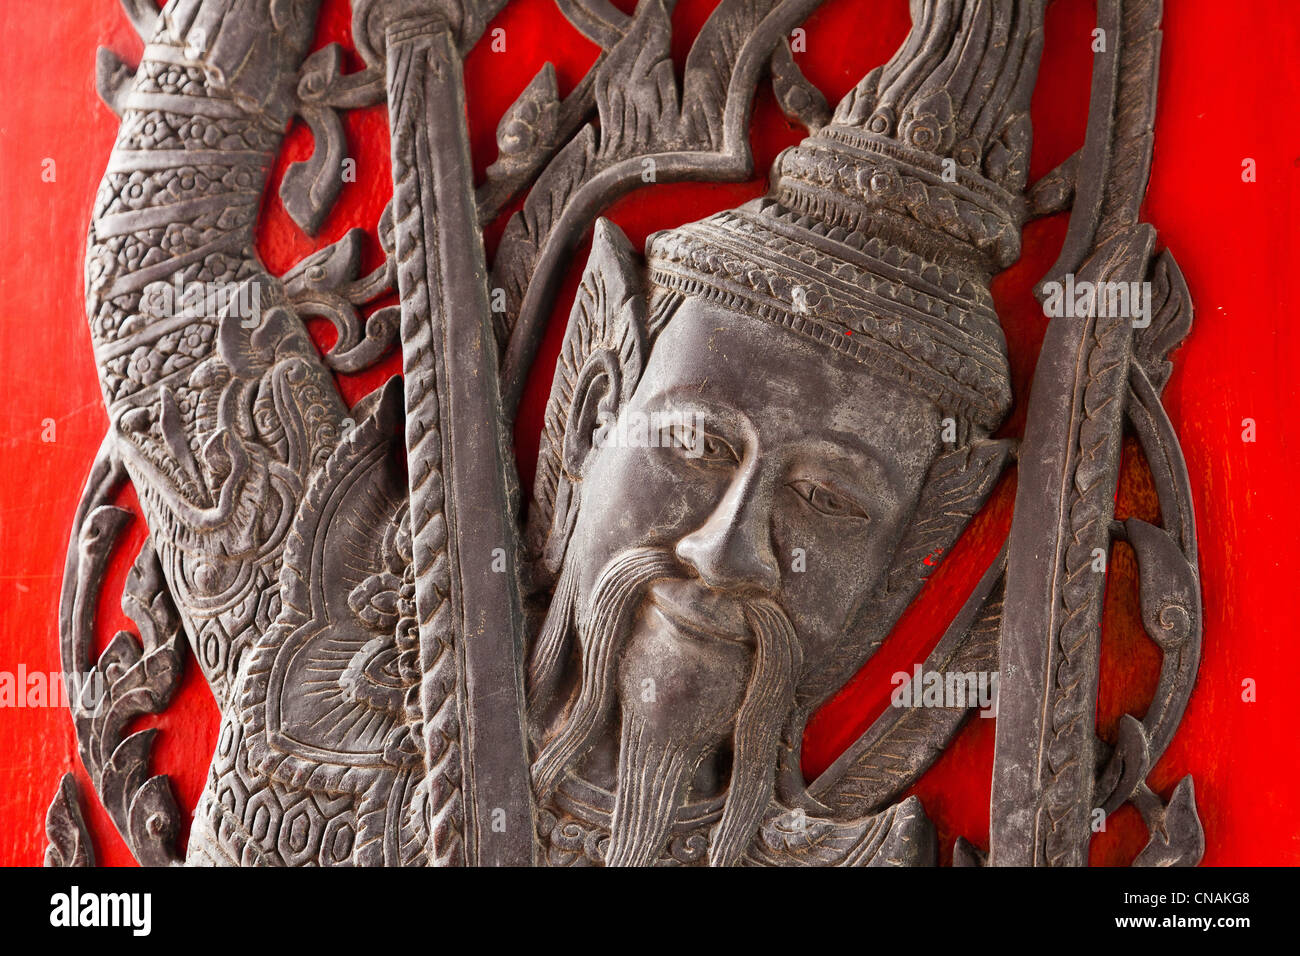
x: 405, y: 676
x: 1045, y: 789
x: 460, y: 513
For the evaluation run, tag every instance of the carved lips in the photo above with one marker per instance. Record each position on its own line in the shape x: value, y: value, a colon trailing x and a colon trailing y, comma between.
x: 697, y: 612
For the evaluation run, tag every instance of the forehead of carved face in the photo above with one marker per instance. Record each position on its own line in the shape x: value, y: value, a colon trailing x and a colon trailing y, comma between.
x: 769, y: 464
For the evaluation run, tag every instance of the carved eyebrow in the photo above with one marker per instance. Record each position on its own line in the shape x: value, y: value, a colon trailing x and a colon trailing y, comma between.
x: 686, y: 399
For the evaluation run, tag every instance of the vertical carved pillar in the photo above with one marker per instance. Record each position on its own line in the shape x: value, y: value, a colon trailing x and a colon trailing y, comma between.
x: 1051, y: 636
x: 470, y: 617
x: 1046, y: 753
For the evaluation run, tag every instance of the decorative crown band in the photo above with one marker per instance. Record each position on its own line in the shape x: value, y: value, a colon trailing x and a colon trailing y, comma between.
x: 933, y: 329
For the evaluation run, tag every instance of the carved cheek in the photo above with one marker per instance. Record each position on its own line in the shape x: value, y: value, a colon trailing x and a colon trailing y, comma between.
x: 638, y: 496
x: 826, y: 567
x: 672, y: 494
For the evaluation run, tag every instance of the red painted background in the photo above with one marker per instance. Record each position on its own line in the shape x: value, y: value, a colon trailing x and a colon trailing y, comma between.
x: 1230, y: 90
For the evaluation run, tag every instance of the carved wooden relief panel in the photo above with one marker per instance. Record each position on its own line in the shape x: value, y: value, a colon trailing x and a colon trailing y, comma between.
x: 762, y: 429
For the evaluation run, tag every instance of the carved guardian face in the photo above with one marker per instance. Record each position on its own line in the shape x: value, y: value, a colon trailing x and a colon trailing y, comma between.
x: 724, y: 498
x: 782, y: 471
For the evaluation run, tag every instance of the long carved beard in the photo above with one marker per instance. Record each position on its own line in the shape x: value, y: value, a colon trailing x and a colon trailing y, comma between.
x: 655, y: 765
x: 613, y: 601
x: 546, y: 661
x: 654, y: 768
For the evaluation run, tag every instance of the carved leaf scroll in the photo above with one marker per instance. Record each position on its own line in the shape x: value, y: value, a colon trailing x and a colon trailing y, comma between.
x: 140, y: 678
x: 326, y: 284
x: 799, y: 99
x: 129, y: 679
x: 311, y: 187
x: 1090, y: 380
x: 1177, y: 837
x: 1171, y: 320
x: 646, y: 130
x: 65, y: 828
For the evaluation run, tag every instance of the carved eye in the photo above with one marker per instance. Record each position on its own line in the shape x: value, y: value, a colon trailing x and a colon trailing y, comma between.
x: 834, y: 504
x: 695, y: 442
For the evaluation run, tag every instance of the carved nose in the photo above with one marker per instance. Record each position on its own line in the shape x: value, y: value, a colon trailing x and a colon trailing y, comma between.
x: 733, y: 549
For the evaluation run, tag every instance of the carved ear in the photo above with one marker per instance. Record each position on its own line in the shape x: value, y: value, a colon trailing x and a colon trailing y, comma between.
x: 599, y: 366
x: 597, y: 397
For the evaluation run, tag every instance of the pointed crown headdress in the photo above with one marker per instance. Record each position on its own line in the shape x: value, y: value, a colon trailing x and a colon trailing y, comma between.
x: 881, y: 231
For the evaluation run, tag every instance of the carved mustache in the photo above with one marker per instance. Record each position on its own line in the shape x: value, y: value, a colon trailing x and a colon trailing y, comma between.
x: 653, y: 773
x: 692, y: 608
x: 769, y: 699
x: 613, y: 600
x: 688, y: 606
x: 652, y: 784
